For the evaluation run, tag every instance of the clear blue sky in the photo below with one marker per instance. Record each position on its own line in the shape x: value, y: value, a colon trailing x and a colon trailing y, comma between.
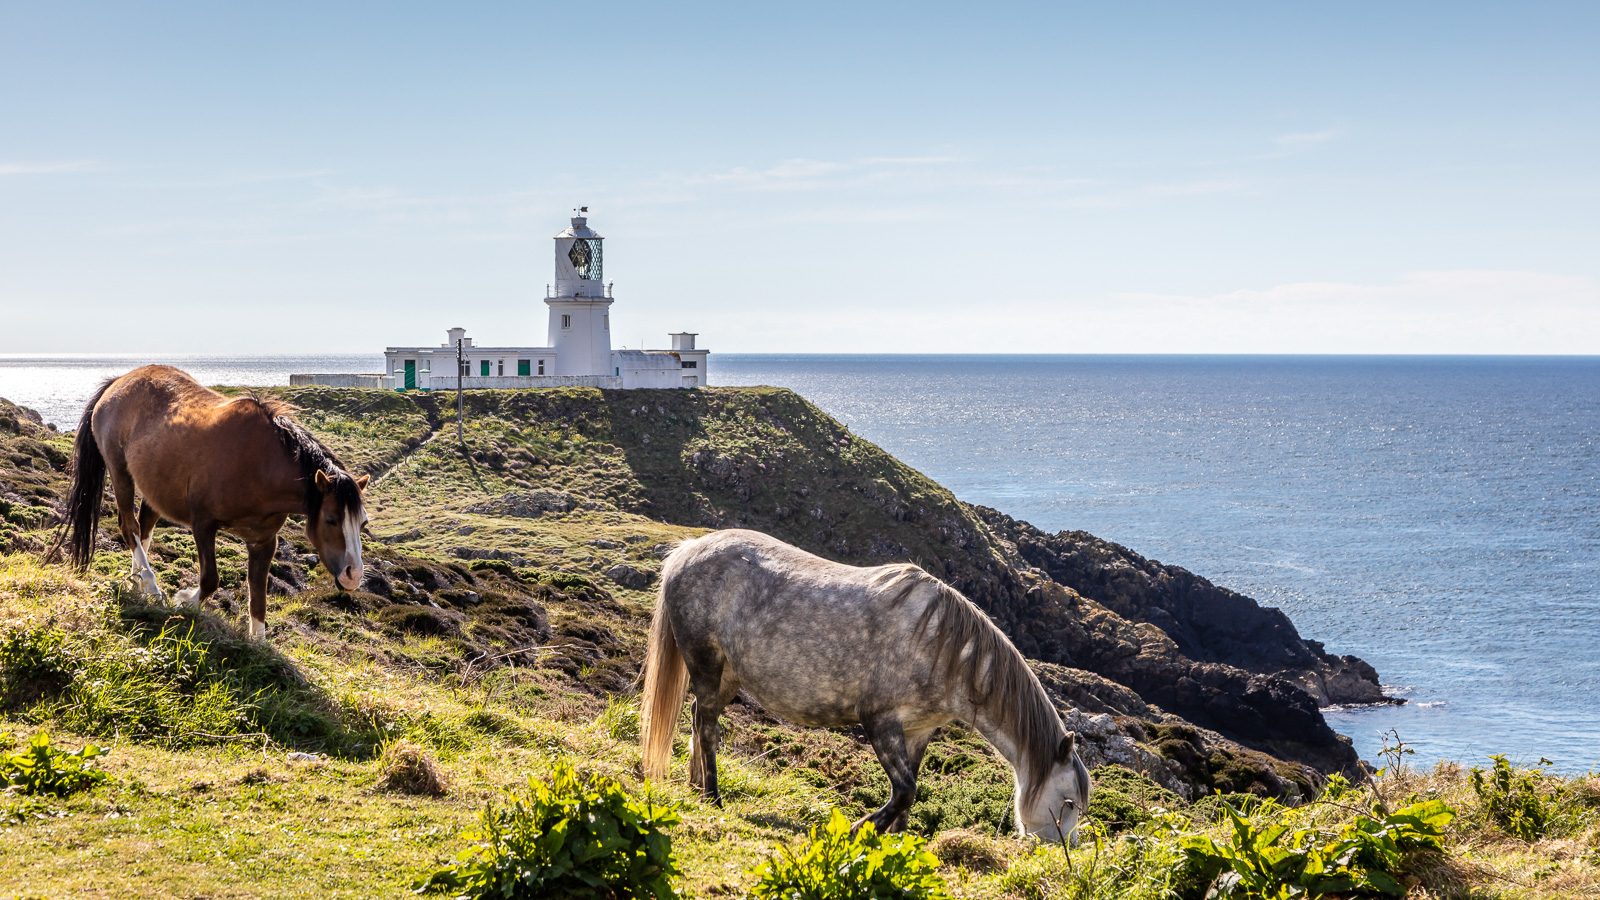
x: 1114, y: 177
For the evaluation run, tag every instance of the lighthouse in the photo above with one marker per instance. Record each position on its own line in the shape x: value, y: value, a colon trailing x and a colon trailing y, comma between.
x: 580, y: 305
x: 578, y: 352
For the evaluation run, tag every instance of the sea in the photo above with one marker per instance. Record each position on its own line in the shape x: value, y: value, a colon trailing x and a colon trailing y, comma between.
x: 1436, y: 516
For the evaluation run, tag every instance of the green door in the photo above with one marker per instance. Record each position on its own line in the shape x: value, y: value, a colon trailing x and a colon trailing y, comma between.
x: 411, y: 375
x: 523, y: 368
x: 484, y: 371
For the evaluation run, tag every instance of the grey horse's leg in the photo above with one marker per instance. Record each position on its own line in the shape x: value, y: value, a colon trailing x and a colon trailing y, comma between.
x: 711, y: 694
x: 901, y: 756
x: 707, y: 734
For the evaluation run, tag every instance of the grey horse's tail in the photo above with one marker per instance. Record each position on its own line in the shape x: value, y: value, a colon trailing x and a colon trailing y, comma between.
x: 666, y: 683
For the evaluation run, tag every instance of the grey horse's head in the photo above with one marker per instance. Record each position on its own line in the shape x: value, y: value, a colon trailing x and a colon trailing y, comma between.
x: 1050, y: 810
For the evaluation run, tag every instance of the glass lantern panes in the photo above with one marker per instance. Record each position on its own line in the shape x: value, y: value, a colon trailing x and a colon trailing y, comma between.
x: 585, y: 257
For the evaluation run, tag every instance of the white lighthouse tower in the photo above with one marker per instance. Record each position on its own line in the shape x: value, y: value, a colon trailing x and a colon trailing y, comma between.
x: 580, y: 306
x: 579, y: 352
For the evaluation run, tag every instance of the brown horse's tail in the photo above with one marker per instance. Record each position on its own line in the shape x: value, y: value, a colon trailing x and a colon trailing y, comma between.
x: 666, y: 683
x: 82, y: 516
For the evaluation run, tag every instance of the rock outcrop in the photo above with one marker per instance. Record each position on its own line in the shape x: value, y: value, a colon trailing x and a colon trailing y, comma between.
x: 1207, y: 623
x: 1162, y: 671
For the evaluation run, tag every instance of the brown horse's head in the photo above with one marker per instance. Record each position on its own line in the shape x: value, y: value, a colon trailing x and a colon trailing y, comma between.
x: 334, y: 526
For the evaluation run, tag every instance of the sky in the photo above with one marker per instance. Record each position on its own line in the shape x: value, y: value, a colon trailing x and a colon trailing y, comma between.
x: 880, y: 178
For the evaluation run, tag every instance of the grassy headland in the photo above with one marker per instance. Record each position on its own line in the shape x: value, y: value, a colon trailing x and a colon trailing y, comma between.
x: 501, y: 630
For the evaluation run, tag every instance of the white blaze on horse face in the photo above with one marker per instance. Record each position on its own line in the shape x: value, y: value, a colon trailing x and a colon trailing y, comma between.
x: 353, y: 520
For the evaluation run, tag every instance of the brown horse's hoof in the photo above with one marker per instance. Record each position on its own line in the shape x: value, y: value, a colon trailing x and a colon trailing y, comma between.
x: 258, y: 631
x: 144, y: 585
x: 187, y: 599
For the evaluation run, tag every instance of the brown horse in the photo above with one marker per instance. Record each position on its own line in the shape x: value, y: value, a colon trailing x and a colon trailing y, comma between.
x: 211, y: 463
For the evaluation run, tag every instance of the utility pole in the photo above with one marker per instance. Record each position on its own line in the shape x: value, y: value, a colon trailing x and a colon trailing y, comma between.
x: 461, y: 366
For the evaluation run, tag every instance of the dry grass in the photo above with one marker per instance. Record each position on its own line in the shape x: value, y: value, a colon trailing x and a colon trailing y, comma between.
x: 406, y: 768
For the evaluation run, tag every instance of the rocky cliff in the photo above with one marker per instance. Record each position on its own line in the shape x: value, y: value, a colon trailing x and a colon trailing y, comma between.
x: 1198, y: 686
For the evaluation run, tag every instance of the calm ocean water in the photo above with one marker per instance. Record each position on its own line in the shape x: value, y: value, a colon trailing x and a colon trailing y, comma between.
x: 1439, y: 517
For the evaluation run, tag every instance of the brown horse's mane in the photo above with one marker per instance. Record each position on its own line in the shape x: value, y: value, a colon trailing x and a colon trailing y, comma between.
x: 970, y: 650
x: 311, y: 455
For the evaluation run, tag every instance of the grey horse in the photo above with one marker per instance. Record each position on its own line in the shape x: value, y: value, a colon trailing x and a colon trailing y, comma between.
x: 824, y: 644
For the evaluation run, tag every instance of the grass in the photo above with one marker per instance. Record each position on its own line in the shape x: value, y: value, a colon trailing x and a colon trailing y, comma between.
x: 234, y: 815
x: 347, y: 758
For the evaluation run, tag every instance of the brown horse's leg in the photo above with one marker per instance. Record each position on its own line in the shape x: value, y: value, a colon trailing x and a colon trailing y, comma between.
x: 261, y: 553
x: 128, y: 523
x: 205, y: 547
x: 148, y: 517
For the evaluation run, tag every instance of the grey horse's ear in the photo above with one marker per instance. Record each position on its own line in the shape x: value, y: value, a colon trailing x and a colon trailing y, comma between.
x: 1064, y: 751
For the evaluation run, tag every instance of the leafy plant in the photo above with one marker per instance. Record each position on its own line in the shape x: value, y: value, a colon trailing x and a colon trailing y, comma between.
x: 1366, y: 855
x: 170, y: 684
x: 1511, y: 800
x: 838, y: 865
x: 33, y: 662
x: 1142, y: 863
x: 575, y: 835
x: 40, y: 768
x: 1124, y: 799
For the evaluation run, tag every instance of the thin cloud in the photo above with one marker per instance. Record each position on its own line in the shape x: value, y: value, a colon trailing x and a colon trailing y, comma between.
x: 244, y: 179
x: 1155, y: 192
x: 1449, y: 311
x: 1308, y: 138
x: 60, y: 167
x: 802, y: 174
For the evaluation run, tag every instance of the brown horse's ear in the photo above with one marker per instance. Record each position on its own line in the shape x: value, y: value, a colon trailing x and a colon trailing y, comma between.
x: 361, y: 482
x: 324, y: 483
x: 1064, y: 751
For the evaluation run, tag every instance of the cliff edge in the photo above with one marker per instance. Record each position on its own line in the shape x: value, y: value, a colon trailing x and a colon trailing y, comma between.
x: 1200, y: 687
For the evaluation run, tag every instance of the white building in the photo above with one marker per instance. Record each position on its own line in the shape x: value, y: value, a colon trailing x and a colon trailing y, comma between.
x: 578, y: 349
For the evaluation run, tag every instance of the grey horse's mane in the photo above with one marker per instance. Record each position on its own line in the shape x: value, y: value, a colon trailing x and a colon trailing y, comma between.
x: 969, y: 650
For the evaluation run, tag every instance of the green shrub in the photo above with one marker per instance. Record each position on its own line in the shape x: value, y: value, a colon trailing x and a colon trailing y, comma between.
x: 620, y: 719
x: 1125, y: 799
x: 1139, y: 864
x: 1366, y: 855
x: 575, y: 835
x: 34, y: 662
x: 168, y: 689
x: 1511, y: 800
x: 836, y: 865
x: 40, y: 768
x: 168, y: 684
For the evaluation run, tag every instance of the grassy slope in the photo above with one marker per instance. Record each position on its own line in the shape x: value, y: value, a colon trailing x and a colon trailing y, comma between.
x: 204, y: 800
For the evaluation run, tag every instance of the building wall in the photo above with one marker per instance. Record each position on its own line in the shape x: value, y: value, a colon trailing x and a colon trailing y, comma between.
x: 341, y: 380
x: 692, y: 367
x: 437, y: 365
x: 580, y: 332
x: 535, y: 381
x: 651, y: 378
